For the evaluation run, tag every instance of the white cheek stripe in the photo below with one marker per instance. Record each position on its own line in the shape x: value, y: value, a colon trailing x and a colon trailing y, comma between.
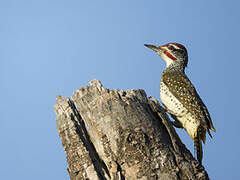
x: 168, y: 60
x: 176, y: 47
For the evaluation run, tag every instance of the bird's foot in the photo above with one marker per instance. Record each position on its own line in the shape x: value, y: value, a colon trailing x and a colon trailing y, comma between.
x: 177, y: 124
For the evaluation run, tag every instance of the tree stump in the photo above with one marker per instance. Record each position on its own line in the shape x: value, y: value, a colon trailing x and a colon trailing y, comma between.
x: 121, y: 135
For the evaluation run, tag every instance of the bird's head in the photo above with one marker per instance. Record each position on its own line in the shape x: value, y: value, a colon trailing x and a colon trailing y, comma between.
x: 172, y: 53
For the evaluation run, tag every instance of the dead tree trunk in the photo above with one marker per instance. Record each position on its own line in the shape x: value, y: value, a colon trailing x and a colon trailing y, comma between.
x: 118, y: 134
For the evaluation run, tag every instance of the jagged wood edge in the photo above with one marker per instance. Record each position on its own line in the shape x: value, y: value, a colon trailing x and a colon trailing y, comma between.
x: 155, y: 106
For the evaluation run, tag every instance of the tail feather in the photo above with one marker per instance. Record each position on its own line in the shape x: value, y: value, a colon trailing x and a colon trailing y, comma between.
x: 198, y: 148
x: 203, y: 137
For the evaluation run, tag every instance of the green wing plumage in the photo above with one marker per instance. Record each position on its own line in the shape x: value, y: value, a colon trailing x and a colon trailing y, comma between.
x: 181, y: 87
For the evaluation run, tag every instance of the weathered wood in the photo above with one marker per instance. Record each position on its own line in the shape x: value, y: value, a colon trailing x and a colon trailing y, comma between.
x: 121, y: 134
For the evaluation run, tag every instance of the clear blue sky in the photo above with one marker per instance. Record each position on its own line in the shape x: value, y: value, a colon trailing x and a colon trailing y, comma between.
x: 54, y: 47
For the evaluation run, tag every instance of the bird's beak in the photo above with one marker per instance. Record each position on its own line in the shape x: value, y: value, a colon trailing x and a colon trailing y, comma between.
x: 158, y: 49
x: 154, y: 48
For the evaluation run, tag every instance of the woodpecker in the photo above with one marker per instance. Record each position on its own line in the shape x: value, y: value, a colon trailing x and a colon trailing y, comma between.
x: 180, y: 98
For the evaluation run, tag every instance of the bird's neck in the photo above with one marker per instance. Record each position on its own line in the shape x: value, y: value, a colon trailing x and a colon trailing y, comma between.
x: 175, y: 67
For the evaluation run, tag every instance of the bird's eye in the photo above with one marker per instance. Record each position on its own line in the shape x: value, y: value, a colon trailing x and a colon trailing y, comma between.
x: 170, y: 47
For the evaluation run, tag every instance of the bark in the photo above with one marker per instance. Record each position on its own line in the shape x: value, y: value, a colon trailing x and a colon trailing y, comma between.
x: 121, y: 134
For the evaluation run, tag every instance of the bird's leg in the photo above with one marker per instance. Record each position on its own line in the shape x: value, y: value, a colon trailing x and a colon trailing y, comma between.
x: 165, y: 108
x: 176, y: 122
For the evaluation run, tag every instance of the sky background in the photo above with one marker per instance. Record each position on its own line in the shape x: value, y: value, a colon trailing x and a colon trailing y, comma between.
x: 50, y: 48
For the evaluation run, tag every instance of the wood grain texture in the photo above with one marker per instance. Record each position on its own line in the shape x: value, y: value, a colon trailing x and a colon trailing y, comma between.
x: 121, y: 134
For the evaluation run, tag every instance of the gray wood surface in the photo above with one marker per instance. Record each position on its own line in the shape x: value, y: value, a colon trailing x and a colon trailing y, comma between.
x: 121, y: 134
